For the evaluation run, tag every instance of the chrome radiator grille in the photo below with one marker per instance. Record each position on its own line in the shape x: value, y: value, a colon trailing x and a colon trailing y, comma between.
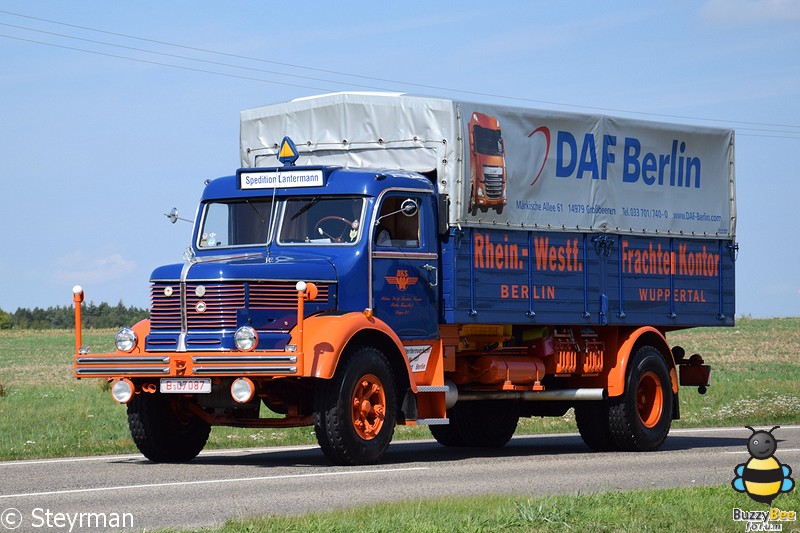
x: 493, y: 186
x: 214, y: 307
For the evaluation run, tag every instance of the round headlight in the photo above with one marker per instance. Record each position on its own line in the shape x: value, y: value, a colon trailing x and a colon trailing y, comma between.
x: 242, y: 390
x: 245, y: 338
x: 125, y: 340
x: 122, y: 390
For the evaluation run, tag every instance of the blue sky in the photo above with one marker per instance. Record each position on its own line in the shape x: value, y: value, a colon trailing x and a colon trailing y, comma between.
x: 101, y: 133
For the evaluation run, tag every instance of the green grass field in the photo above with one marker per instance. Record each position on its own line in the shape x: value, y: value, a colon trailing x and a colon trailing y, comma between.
x: 700, y: 509
x: 45, y: 412
x: 754, y: 382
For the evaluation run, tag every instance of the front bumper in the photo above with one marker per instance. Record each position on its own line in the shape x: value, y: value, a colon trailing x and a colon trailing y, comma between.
x: 188, y: 364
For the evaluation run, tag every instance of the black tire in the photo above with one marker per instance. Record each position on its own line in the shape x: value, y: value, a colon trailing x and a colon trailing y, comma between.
x: 449, y: 434
x: 592, y: 420
x: 478, y: 424
x: 163, y: 430
x: 352, y: 431
x: 640, y: 419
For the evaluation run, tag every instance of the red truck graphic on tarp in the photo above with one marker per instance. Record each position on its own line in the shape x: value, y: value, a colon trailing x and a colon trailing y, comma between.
x: 487, y: 164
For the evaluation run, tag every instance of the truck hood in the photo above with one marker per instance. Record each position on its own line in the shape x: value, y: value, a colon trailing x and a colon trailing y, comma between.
x: 249, y: 267
x: 236, y: 290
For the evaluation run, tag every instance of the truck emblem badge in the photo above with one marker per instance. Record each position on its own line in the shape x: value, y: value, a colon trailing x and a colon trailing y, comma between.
x: 200, y: 307
x: 167, y: 291
x: 402, y: 280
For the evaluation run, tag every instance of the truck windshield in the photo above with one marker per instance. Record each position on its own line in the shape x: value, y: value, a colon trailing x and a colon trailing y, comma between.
x: 488, y: 141
x: 235, y: 223
x: 322, y: 221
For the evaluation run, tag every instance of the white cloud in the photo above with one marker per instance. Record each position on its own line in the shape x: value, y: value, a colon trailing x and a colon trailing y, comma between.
x: 79, y: 267
x: 750, y: 12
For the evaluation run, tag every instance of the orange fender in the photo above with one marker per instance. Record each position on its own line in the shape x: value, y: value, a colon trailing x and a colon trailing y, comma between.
x: 618, y: 372
x: 326, y: 336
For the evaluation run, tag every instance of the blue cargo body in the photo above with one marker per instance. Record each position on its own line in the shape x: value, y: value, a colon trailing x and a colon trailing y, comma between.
x: 517, y: 277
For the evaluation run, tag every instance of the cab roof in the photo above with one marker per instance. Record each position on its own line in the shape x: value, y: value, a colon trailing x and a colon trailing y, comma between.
x: 336, y: 181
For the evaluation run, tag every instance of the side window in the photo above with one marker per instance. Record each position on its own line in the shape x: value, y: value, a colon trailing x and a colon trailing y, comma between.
x: 215, y: 227
x: 398, y: 225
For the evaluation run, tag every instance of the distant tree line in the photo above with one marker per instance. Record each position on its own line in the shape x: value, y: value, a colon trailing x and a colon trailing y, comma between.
x: 63, y: 317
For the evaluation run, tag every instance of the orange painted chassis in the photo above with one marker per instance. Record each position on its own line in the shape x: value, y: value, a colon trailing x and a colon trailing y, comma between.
x: 319, y: 343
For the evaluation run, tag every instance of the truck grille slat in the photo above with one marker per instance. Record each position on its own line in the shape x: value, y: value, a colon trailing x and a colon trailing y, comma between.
x: 217, y: 309
x: 493, y: 186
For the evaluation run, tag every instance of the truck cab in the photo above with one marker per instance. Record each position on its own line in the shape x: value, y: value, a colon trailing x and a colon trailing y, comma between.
x: 252, y: 243
x: 291, y: 270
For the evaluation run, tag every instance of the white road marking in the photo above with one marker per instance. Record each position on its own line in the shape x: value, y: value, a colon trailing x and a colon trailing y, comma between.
x: 211, y: 482
x: 137, y: 456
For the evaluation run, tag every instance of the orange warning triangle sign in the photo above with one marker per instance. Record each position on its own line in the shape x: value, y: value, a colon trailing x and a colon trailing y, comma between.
x: 286, y: 150
x: 287, y: 154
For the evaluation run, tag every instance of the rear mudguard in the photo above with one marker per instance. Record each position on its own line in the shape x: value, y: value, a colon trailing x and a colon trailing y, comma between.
x: 613, y: 378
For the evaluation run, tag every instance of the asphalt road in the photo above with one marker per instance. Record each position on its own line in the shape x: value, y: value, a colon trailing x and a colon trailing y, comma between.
x: 46, y: 495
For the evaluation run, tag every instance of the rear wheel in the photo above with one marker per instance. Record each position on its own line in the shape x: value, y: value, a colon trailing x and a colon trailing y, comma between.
x: 447, y: 434
x: 355, y: 412
x: 164, y: 430
x: 592, y: 421
x: 479, y: 424
x: 640, y: 419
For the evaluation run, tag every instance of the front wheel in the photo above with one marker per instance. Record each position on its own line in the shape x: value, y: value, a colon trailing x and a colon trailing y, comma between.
x: 640, y: 419
x: 164, y: 430
x: 355, y: 412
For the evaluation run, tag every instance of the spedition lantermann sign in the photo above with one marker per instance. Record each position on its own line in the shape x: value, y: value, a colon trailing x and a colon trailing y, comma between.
x: 273, y: 179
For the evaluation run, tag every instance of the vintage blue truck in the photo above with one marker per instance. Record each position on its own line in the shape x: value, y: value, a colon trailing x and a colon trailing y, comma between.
x: 355, y: 283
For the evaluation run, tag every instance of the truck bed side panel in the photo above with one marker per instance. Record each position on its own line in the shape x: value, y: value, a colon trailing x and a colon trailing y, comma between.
x: 514, y: 277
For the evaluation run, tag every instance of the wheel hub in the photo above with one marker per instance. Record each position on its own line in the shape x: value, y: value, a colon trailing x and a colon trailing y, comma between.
x: 649, y: 399
x: 368, y: 407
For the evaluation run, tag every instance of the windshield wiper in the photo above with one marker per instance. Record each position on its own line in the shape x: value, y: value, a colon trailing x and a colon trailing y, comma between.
x: 256, y: 210
x: 314, y: 201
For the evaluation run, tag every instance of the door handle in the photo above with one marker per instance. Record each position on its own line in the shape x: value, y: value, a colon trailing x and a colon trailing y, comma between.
x: 434, y: 270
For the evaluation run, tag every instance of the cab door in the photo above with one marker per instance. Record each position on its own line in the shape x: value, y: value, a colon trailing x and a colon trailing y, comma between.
x: 405, y: 264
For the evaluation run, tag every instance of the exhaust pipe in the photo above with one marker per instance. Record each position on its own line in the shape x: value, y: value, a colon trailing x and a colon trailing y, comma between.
x: 453, y: 395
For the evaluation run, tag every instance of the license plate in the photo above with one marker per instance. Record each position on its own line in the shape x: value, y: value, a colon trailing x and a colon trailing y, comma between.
x: 179, y: 386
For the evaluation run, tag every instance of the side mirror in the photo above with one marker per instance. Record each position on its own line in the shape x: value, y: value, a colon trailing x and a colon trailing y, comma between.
x: 409, y: 207
x: 173, y: 216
